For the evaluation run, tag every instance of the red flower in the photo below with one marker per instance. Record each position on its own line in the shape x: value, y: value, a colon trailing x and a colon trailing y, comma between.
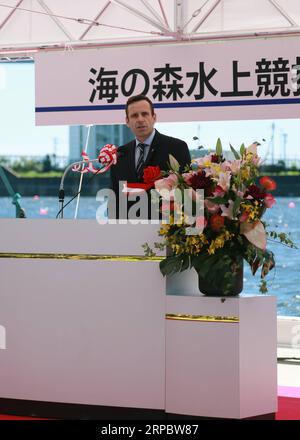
x: 200, y: 181
x: 269, y: 200
x: 268, y: 183
x: 214, y: 158
x: 151, y: 174
x: 216, y: 222
x: 255, y: 192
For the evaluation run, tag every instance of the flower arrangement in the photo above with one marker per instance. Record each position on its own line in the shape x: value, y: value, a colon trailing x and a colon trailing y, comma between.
x: 229, y: 229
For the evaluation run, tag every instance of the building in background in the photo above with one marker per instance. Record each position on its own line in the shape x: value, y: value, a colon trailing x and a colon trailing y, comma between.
x: 99, y: 136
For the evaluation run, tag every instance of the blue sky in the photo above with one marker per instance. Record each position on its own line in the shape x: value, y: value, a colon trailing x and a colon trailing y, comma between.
x: 19, y: 135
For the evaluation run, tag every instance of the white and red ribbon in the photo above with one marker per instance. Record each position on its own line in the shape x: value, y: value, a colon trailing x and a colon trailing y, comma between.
x: 107, y: 158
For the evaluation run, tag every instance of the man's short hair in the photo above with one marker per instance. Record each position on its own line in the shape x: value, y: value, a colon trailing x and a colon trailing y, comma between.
x: 138, y: 98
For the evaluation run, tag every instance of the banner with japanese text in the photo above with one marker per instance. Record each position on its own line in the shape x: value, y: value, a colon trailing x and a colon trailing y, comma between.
x: 248, y: 79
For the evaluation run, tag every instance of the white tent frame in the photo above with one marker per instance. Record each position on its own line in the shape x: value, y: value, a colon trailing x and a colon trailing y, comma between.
x: 186, y: 25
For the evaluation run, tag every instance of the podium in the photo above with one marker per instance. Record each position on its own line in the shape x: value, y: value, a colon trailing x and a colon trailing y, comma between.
x: 87, y: 321
x: 221, y: 356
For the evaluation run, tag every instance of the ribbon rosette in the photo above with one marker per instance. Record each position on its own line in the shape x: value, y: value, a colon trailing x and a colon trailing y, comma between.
x: 108, y: 156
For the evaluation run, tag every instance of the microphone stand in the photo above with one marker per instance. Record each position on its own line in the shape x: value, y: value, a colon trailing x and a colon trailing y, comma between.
x: 61, y: 192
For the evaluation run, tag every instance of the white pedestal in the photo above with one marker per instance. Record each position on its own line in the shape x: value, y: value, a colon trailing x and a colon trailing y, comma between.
x: 225, y: 368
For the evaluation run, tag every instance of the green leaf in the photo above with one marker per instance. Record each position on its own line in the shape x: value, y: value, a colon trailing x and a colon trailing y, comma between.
x: 147, y: 250
x: 236, y: 206
x: 174, y: 164
x: 235, y: 153
x: 257, y: 262
x: 242, y: 149
x: 263, y: 286
x: 185, y: 263
x: 159, y: 246
x: 217, y: 200
x: 170, y: 265
x: 206, y: 269
x: 205, y: 264
x: 219, y: 147
x: 196, y: 261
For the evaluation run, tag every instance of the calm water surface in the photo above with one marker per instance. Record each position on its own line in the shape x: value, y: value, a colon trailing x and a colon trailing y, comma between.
x: 283, y: 281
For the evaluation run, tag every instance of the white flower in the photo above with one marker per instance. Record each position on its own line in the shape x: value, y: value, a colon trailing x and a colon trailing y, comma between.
x: 227, y: 211
x: 252, y: 148
x: 224, y: 181
x: 235, y: 166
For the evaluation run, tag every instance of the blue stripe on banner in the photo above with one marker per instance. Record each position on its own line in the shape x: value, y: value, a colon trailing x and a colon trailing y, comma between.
x: 88, y: 108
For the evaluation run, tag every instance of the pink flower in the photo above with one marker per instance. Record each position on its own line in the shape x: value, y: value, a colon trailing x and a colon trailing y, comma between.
x: 218, y: 191
x: 235, y: 166
x: 226, y: 165
x: 201, y: 222
x: 227, y: 211
x: 252, y: 149
x: 256, y: 161
x: 167, y: 207
x: 255, y: 233
x: 224, y: 181
x: 211, y: 207
x: 269, y: 200
x: 168, y: 183
x: 187, y: 177
x: 196, y: 195
x: 203, y: 162
x: 244, y: 217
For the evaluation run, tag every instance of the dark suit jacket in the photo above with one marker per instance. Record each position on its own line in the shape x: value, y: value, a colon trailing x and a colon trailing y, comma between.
x: 158, y: 155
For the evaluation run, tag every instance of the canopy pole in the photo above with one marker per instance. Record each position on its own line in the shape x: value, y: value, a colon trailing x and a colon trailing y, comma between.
x: 81, y: 174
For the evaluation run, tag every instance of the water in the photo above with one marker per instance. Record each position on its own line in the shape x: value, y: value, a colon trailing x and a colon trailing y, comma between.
x: 283, y: 281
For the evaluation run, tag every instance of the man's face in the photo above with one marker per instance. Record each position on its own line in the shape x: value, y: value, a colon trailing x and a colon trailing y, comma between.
x: 140, y: 119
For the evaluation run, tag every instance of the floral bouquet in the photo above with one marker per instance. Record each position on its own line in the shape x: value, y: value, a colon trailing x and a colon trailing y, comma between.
x: 229, y: 228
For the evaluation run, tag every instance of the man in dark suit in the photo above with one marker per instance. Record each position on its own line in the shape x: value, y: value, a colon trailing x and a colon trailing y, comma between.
x: 149, y: 148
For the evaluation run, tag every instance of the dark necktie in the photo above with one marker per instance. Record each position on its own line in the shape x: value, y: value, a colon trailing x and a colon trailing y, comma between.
x: 141, y: 159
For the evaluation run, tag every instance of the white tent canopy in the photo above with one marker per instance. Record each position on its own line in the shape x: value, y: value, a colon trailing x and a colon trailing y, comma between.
x: 27, y: 26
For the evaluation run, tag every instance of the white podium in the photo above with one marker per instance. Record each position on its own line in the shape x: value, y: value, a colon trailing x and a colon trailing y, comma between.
x: 221, y: 356
x: 83, y: 314
x: 87, y: 321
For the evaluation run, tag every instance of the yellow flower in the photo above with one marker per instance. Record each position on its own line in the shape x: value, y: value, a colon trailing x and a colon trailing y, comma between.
x: 245, y: 173
x: 219, y: 242
x: 253, y: 211
x: 216, y: 169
